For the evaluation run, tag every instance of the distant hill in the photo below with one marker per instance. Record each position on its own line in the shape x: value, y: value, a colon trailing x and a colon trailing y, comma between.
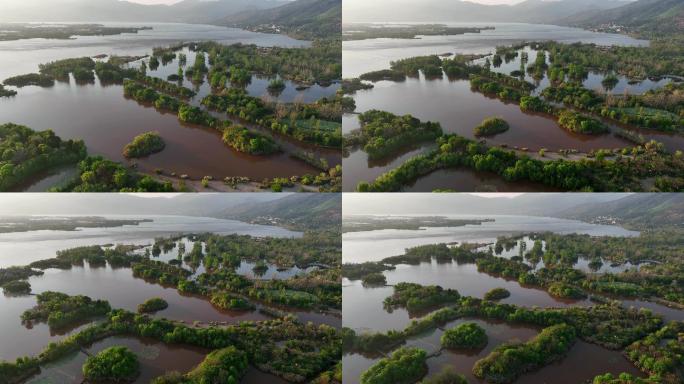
x: 646, y: 17
x: 304, y: 19
x: 530, y: 11
x: 187, y: 11
x: 299, y: 211
x: 642, y: 210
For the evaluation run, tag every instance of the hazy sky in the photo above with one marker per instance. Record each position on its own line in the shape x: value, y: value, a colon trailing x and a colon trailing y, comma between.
x: 155, y: 1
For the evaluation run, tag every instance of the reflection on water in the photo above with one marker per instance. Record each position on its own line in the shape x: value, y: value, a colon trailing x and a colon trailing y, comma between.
x: 363, y: 56
x: 358, y: 247
x: 155, y: 359
x: 23, y: 248
x: 107, y: 121
x: 23, y: 56
x: 118, y: 286
x: 364, y: 312
x: 258, y: 86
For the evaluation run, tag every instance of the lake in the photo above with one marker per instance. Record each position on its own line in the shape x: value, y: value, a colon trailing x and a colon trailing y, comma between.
x: 361, y: 56
x: 459, y: 109
x: 363, y: 308
x: 117, y: 285
x: 107, y: 121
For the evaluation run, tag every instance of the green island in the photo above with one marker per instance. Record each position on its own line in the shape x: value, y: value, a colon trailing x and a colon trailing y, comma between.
x: 383, y: 134
x: 37, y: 223
x: 154, y: 304
x: 26, y: 153
x: 631, y: 307
x: 114, y: 364
x: 17, y: 287
x: 277, y: 343
x: 374, y: 280
x: 491, y: 126
x: 416, y: 298
x: 509, y: 361
x: 372, y: 223
x: 7, y: 92
x: 406, y: 31
x: 247, y: 141
x: 608, y: 170
x: 404, y: 366
x: 20, y: 31
x: 464, y: 336
x: 144, y: 145
x: 497, y: 294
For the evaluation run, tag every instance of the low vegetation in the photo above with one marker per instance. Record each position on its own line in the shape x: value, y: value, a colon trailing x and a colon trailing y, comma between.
x: 144, y: 145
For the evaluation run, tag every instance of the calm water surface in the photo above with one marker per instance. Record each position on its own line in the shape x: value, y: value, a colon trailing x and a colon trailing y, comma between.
x: 155, y: 359
x: 364, y: 56
x: 118, y: 286
x: 23, y: 56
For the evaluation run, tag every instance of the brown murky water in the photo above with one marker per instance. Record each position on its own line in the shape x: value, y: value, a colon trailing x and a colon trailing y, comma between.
x: 155, y: 359
x: 364, y: 312
x: 459, y: 109
x: 106, y: 121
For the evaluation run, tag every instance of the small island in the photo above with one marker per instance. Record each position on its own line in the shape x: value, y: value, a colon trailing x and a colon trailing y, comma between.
x: 20, y: 31
x: 115, y: 364
x: 154, y: 304
x: 491, y: 126
x: 404, y: 31
x: 497, y: 294
x: 144, y: 145
x: 464, y: 336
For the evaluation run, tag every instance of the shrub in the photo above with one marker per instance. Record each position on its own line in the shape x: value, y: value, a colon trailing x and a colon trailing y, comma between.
x: 115, y: 364
x: 464, y: 336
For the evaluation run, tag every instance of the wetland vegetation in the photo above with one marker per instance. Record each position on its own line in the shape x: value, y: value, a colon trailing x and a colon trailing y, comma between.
x: 447, y: 304
x: 283, y: 328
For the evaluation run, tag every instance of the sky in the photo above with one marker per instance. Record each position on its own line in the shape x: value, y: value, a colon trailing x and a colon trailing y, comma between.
x: 154, y: 1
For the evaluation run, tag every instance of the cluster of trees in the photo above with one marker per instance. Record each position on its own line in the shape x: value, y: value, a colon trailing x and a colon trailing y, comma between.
x: 447, y: 375
x: 658, y: 59
x: 374, y: 280
x: 154, y: 304
x: 590, y: 174
x: 93, y: 254
x: 564, y: 290
x: 114, y: 364
x: 404, y: 366
x: 60, y: 310
x: 100, y: 175
x: 416, y: 297
x: 491, y: 126
x: 229, y: 301
x: 82, y: 69
x: 35, y: 79
x: 227, y: 365
x: 272, y: 345
x: 25, y: 153
x: 384, y: 134
x: 275, y: 293
x: 144, y: 145
x: 508, y: 361
x: 17, y: 287
x: 159, y: 272
x: 350, y: 86
x: 661, y: 353
x: 321, y: 63
x: 7, y: 92
x: 237, y: 102
x: 576, y: 122
x: 497, y: 294
x: 359, y: 271
x: 244, y: 140
x: 464, y: 336
x: 17, y: 273
x: 166, y: 87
